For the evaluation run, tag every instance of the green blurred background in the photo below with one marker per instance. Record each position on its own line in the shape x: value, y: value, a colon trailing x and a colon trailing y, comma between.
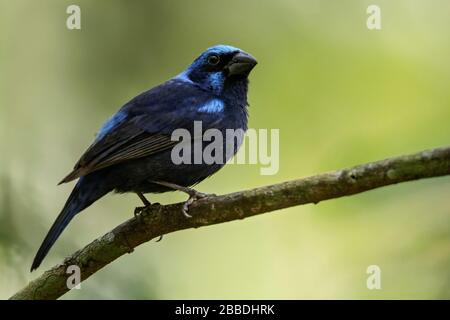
x: 339, y: 93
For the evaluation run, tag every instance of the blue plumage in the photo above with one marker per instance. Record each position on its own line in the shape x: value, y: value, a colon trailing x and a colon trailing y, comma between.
x: 109, y: 125
x: 212, y: 106
x: 132, y: 150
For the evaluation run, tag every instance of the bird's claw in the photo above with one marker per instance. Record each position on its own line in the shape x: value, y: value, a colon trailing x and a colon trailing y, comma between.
x: 186, y: 205
x: 193, y: 196
x: 138, y: 211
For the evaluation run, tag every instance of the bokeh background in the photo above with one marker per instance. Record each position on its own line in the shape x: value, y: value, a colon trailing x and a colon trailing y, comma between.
x: 340, y: 94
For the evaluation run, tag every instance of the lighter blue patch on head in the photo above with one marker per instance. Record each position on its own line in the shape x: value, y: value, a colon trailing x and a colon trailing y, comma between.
x: 110, y: 124
x: 219, y: 49
x: 222, y: 48
x: 216, y: 81
x: 212, y: 106
x: 204, y: 77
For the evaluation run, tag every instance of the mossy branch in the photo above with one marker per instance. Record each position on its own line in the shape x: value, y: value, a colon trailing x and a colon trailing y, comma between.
x: 159, y: 220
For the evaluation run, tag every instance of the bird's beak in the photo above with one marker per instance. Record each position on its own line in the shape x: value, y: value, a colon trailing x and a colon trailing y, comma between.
x: 241, y: 64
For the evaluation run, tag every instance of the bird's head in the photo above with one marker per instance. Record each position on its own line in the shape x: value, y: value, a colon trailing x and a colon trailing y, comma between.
x: 220, y: 67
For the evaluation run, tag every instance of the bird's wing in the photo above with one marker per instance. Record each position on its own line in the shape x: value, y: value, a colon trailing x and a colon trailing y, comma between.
x: 143, y: 127
x: 126, y: 142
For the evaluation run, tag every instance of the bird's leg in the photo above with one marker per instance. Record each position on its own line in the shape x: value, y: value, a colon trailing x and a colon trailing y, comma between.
x: 144, y: 200
x: 193, y: 194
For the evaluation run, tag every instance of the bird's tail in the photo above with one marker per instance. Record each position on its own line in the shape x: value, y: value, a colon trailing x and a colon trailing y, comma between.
x: 82, y: 196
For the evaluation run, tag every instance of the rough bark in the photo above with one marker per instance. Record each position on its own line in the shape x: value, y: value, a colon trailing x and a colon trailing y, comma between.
x: 159, y: 220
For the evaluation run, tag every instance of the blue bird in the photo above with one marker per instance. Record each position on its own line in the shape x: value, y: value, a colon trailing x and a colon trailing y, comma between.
x: 132, y: 151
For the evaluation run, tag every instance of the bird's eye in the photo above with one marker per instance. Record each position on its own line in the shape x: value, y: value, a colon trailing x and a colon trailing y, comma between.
x: 213, y: 59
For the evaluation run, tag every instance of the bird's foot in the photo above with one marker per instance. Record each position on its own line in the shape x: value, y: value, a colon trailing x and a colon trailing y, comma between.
x: 147, y: 204
x: 138, y: 210
x: 193, y: 196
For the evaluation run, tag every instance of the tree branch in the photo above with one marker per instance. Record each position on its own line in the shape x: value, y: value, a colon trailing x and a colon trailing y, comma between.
x: 158, y: 220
